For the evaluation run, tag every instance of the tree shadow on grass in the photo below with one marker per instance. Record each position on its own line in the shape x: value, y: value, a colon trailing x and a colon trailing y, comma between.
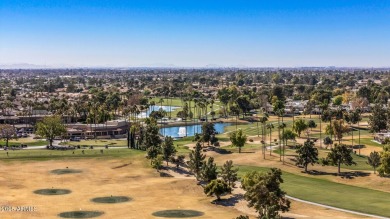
x: 319, y: 173
x: 222, y: 151
x: 164, y: 174
x: 179, y: 170
x: 229, y: 202
x: 354, y: 174
x: 344, y: 175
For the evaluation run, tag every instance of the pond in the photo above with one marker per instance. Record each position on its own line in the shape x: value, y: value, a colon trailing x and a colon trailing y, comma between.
x: 180, y: 131
x: 145, y: 114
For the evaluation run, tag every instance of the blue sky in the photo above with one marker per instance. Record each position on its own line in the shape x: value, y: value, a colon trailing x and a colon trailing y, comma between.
x: 198, y: 33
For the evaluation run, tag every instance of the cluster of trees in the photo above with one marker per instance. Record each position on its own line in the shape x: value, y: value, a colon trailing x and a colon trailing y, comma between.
x: 340, y: 154
x: 158, y: 150
x: 262, y: 189
x: 381, y: 161
x: 207, y: 171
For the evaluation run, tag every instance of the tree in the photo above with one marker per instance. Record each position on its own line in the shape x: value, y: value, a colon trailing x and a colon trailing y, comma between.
x: 384, y: 168
x: 168, y: 149
x: 242, y: 217
x: 7, y: 132
x: 243, y: 103
x: 338, y: 155
x: 157, y: 162
x: 270, y: 126
x: 307, y: 154
x: 152, y: 153
x: 208, y: 131
x: 264, y: 194
x: 287, y: 135
x: 238, y: 139
x: 131, y: 137
x: 278, y: 108
x: 217, y: 187
x: 224, y: 97
x: 327, y: 141
x: 51, y: 127
x: 300, y: 126
x: 151, y: 137
x: 374, y: 160
x: 378, y: 118
x: 209, y: 170
x: 337, y: 101
x: 195, y: 163
x: 354, y: 117
x: 229, y: 173
x: 311, y: 124
x: 179, y: 160
x: 339, y: 129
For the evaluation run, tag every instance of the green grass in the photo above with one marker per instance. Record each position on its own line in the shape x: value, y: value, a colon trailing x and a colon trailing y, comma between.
x: 367, y: 141
x: 181, y: 149
x: 111, y: 143
x: 330, y: 193
x: 179, y: 103
x: 175, y: 101
x: 39, y: 155
x: 28, y: 143
x: 246, y: 148
x: 361, y: 161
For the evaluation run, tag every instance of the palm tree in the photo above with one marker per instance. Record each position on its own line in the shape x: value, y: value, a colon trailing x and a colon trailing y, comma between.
x: 358, y: 120
x: 263, y: 121
x: 354, y: 117
x: 324, y: 106
x: 270, y: 126
x: 281, y: 126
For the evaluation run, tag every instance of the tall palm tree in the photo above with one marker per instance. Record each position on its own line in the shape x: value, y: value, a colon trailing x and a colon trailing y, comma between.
x: 270, y: 126
x: 282, y: 126
x: 263, y: 121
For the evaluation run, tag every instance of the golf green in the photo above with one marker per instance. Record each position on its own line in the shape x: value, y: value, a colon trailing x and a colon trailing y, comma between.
x: 178, y: 213
x: 52, y: 191
x: 80, y: 214
x: 111, y: 199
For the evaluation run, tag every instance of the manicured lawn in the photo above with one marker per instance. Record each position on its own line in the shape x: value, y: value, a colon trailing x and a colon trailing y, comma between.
x: 331, y: 193
x: 111, y: 143
x: 367, y: 141
x: 55, y: 154
x: 179, y: 103
x: 27, y: 142
x: 175, y: 101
